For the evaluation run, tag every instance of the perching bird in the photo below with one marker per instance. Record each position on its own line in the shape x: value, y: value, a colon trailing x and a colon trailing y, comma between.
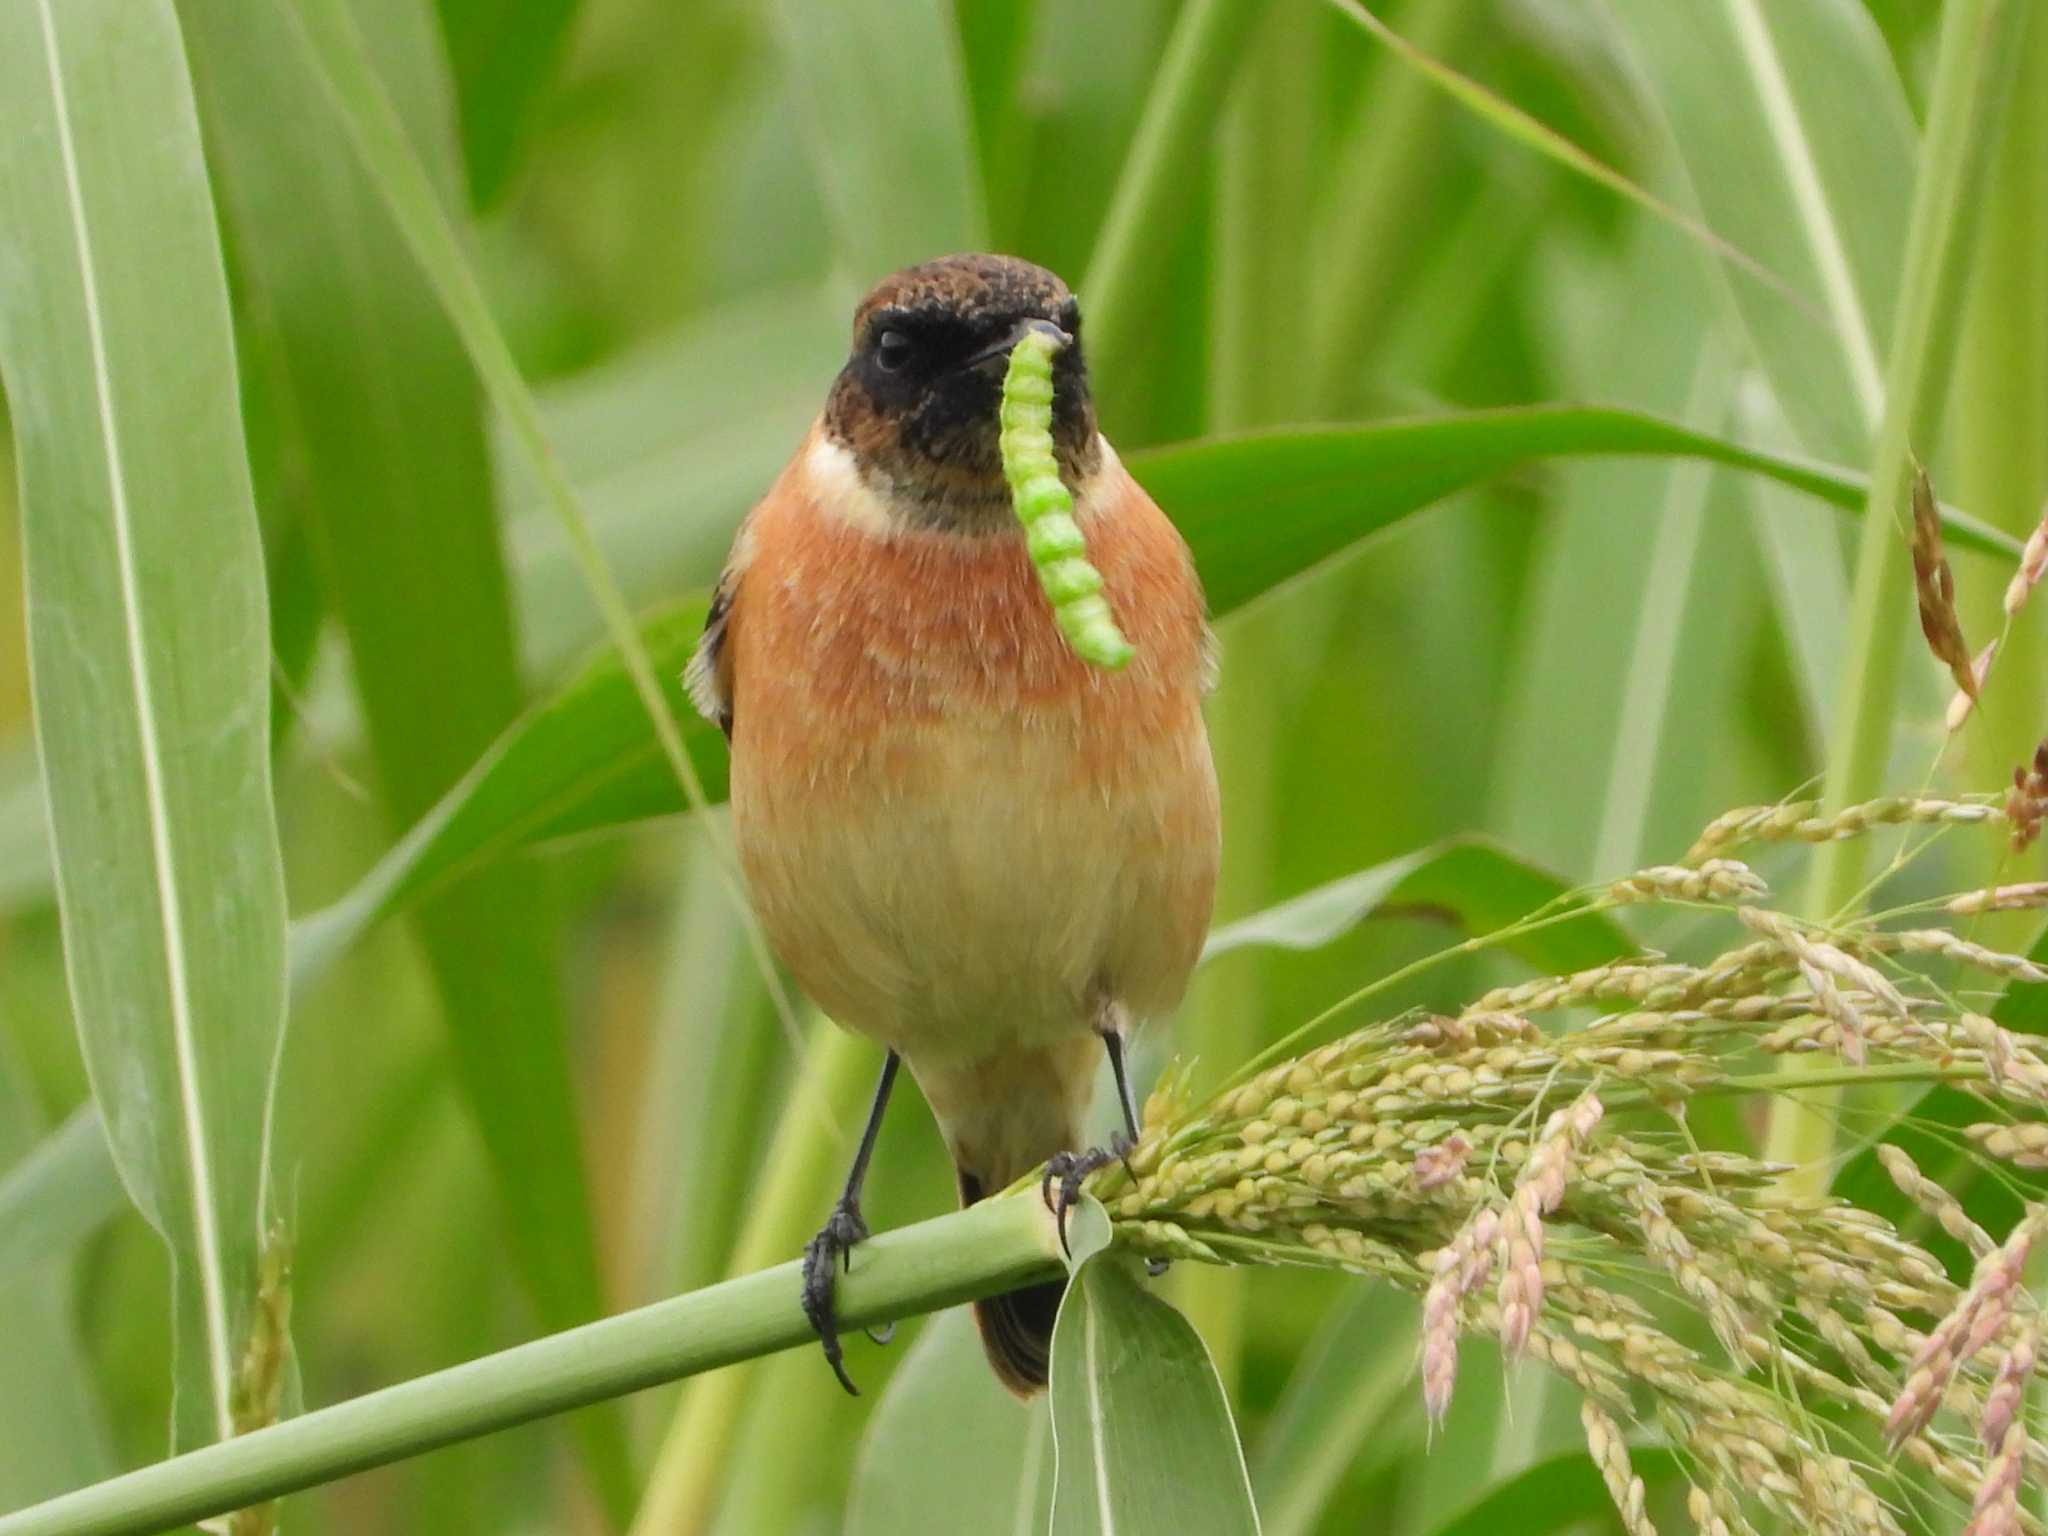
x: 963, y: 841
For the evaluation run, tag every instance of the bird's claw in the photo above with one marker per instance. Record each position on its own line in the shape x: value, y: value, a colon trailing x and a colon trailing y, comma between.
x: 833, y: 1245
x: 1069, y: 1170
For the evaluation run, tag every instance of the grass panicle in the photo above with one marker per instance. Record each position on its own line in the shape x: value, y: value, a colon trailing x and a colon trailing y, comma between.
x: 1528, y: 1167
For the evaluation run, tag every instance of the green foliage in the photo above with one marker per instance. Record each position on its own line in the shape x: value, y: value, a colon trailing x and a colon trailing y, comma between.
x: 1501, y: 364
x: 148, y: 618
x: 1142, y: 1435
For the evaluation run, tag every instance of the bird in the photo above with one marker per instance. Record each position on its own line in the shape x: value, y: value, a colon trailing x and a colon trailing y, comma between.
x: 960, y: 839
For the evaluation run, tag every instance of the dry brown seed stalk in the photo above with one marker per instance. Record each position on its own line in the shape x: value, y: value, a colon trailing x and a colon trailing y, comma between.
x: 1960, y: 703
x: 2026, y: 803
x: 1934, y: 585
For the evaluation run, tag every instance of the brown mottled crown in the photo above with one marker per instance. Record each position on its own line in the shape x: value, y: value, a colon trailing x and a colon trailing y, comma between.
x: 918, y: 398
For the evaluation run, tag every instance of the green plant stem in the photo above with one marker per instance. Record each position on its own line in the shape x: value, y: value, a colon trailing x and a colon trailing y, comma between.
x: 809, y: 1147
x: 990, y: 1247
x: 1971, y: 77
x: 1159, y: 173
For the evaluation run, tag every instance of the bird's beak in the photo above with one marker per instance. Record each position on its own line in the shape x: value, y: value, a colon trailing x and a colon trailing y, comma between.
x: 1000, y: 351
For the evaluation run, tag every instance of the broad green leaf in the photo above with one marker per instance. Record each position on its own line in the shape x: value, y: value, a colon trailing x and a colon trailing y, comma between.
x: 1263, y: 508
x: 1475, y: 883
x: 1800, y: 148
x: 24, y: 832
x: 947, y: 1437
x: 581, y: 761
x: 708, y: 1092
x: 1277, y: 503
x: 1142, y: 1435
x: 668, y: 446
x: 150, y: 642
x: 1556, y: 1494
x: 1509, y: 120
x: 881, y: 87
x: 1157, y: 190
x: 1333, y: 1420
x: 378, y: 404
x: 502, y: 53
x: 53, y: 1433
x: 339, y: 59
x: 57, y: 1192
x: 1639, y: 591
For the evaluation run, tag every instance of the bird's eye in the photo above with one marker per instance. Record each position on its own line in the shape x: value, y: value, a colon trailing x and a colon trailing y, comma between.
x: 892, y: 351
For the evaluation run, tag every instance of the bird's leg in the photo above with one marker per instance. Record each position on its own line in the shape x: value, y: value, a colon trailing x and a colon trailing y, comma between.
x: 1069, y: 1169
x: 844, y: 1228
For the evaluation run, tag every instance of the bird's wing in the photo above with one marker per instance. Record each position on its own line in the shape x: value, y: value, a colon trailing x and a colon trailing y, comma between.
x: 709, y: 674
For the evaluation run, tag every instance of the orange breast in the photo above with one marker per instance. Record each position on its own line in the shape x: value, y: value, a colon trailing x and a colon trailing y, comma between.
x: 941, y: 810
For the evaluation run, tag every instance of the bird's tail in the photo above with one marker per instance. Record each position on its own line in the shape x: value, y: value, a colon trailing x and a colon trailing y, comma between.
x: 1016, y: 1327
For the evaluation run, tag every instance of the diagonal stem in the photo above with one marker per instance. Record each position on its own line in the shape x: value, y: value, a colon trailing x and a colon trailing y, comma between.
x: 993, y: 1246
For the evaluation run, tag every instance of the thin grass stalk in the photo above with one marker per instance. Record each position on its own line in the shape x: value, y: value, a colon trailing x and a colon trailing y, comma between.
x: 1260, y: 173
x: 683, y: 1490
x: 990, y: 1247
x: 1973, y: 68
x: 337, y: 58
x: 1208, y: 41
x: 1378, y: 175
x: 1998, y: 454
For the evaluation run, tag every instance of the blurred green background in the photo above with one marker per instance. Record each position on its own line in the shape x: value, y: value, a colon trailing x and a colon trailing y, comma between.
x: 561, y: 1087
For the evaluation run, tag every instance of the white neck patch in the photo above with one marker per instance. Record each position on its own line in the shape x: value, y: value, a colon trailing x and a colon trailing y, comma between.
x: 842, y: 492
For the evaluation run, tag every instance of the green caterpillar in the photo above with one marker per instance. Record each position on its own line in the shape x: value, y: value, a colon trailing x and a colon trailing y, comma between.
x: 1046, y: 508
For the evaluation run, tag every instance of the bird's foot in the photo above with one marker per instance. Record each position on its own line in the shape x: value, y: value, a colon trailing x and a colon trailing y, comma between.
x: 834, y: 1242
x: 1066, y: 1171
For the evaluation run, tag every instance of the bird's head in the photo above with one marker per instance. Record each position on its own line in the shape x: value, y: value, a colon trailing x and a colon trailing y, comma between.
x: 916, y: 404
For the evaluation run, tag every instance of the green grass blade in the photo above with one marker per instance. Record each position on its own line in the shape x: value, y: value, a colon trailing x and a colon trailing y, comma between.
x: 1514, y: 123
x: 53, y: 1433
x: 503, y: 54
x: 335, y: 51
x: 581, y: 761
x: 24, y: 834
x: 1556, y: 1494
x: 57, y: 1192
x: 1155, y: 188
x: 1337, y: 1418
x: 668, y: 445
x: 378, y: 405
x: 1142, y: 1434
x: 1978, y: 56
x: 1800, y: 147
x: 946, y: 1436
x: 994, y: 1246
x: 1475, y: 883
x: 882, y: 89
x: 151, y: 642
x: 1259, y: 510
